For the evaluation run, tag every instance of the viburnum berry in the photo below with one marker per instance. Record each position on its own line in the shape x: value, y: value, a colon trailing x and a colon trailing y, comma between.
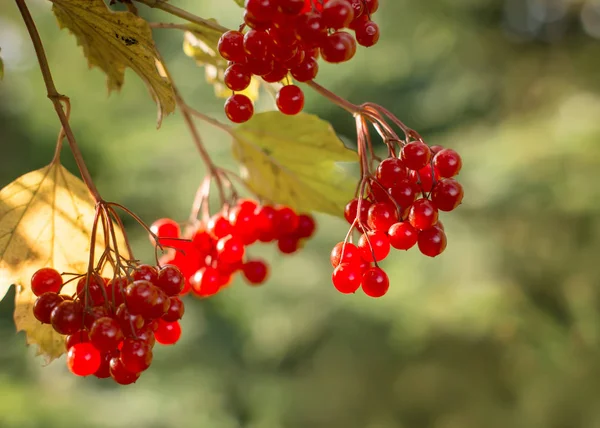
x: 306, y: 70
x: 375, y: 282
x: 120, y: 374
x: 206, y: 281
x: 367, y: 33
x: 338, y: 47
x: 415, y: 155
x: 90, y: 315
x: 277, y: 74
x: 83, y: 359
x: 239, y: 108
x: 106, y: 334
x: 165, y: 228
x: 176, y: 310
x: 351, y: 211
x: 170, y: 280
x: 255, y: 271
x: 261, y: 10
x: 231, y: 46
x: 371, y: 5
x: 46, y: 280
x: 258, y: 44
x: 146, y: 273
x: 218, y: 226
x: 95, y: 294
x: 290, y: 100
x: 338, y: 14
x: 403, y: 193
x: 345, y: 253
x: 374, y: 246
x: 306, y: 226
x: 136, y: 355
x: 403, y: 236
x: 432, y: 242
x: 168, y: 333
x: 347, y: 278
x: 286, y: 220
x: 291, y: 7
x: 288, y: 244
x: 390, y: 172
x: 75, y: 338
x: 44, y: 305
x: 382, y: 216
x: 423, y: 214
x: 130, y: 323
x: 447, y: 162
x: 447, y: 194
x: 425, y: 178
x: 230, y: 249
x: 67, y: 317
x: 237, y: 77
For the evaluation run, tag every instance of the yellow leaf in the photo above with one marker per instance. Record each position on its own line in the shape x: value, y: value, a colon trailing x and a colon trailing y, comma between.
x: 114, y: 41
x: 200, y: 43
x: 46, y: 218
x: 1, y: 68
x: 293, y: 160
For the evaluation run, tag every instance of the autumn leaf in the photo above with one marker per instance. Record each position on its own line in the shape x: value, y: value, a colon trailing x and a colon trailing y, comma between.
x: 114, y: 41
x: 201, y: 43
x: 240, y: 3
x: 294, y: 160
x: 45, y: 221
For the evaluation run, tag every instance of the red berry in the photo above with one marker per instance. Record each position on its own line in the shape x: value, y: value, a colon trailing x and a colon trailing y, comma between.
x: 144, y: 298
x: 96, y: 290
x: 258, y: 44
x: 230, y: 249
x: 375, y: 282
x: 67, y: 317
x: 379, y: 247
x: 277, y: 74
x: 46, y: 280
x: 371, y: 5
x: 120, y: 374
x: 305, y: 71
x: 146, y: 273
x: 239, y: 108
x: 367, y: 33
x: 165, y: 228
x: 291, y: 7
x: 115, y: 291
x: 424, y: 178
x: 288, y: 244
x: 176, y: 310
x: 390, y: 172
x: 206, y: 281
x: 382, y: 216
x: 358, y: 7
x: 432, y: 242
x: 130, y: 324
x: 423, y: 214
x: 286, y: 220
x: 170, y: 280
x: 103, y: 371
x: 237, y: 77
x: 261, y: 66
x: 80, y: 336
x: 347, y: 278
x: 231, y: 46
x: 106, y: 334
x: 44, y: 305
x: 447, y: 162
x: 436, y: 149
x: 351, y: 254
x: 306, y: 226
x: 351, y: 210
x: 416, y: 155
x: 403, y: 193
x: 338, y: 47
x: 254, y: 23
x: 403, y: 236
x: 447, y: 194
x: 167, y: 333
x: 255, y: 271
x: 290, y: 100
x: 218, y: 226
x: 83, y: 359
x: 136, y: 355
x: 261, y: 10
x: 90, y: 315
x: 338, y: 14
x: 311, y: 29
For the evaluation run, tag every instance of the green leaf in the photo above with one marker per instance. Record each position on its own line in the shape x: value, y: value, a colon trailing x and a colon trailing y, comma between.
x: 1, y: 68
x: 293, y: 160
x: 240, y: 3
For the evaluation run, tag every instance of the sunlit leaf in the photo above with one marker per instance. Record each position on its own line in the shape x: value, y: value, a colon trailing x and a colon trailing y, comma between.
x: 114, y: 41
x: 240, y: 3
x: 294, y: 160
x: 45, y: 221
x: 200, y: 43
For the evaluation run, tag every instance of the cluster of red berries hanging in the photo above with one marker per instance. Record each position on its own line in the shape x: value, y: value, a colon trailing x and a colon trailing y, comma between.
x: 287, y: 36
x: 400, y: 210
x: 111, y: 326
x: 212, y: 252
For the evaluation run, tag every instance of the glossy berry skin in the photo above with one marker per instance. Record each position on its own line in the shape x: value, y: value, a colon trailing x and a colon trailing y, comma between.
x: 106, y: 334
x: 46, y: 280
x: 447, y: 163
x: 120, y: 374
x: 306, y: 70
x: 44, y: 305
x: 425, y: 177
x: 90, y: 315
x: 306, y: 226
x: 403, y: 236
x: 378, y: 249
x: 291, y: 7
x: 351, y: 254
x: 277, y: 74
x: 338, y: 14
x: 103, y: 371
x: 83, y: 359
x: 258, y: 44
x: 255, y: 271
x: 168, y: 333
x: 382, y: 216
x: 170, y: 280
x: 288, y: 244
x: 206, y: 281
x: 371, y: 5
x: 367, y: 33
x: 351, y: 211
x: 67, y: 317
x: 145, y: 299
x: 115, y: 291
x: 145, y: 273
x: 261, y: 10
x: 231, y: 46
x: 423, y: 214
x: 176, y: 310
x: 237, y: 77
x: 447, y: 194
x: 165, y: 228
x: 96, y: 291
x: 230, y: 249
x: 286, y: 220
x: 415, y: 155
x: 75, y: 338
x: 130, y: 324
x: 136, y: 355
x: 290, y: 100
x: 338, y: 47
x: 432, y: 242
x: 239, y: 108
x: 218, y: 226
x: 311, y: 29
x: 403, y: 193
x: 390, y: 172
x: 347, y: 278
x: 375, y: 282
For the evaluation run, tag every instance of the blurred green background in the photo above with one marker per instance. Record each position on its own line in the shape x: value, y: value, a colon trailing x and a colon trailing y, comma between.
x: 502, y: 330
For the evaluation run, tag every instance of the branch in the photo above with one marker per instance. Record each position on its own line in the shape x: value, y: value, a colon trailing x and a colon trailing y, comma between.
x: 175, y: 11
x: 56, y: 98
x: 339, y: 101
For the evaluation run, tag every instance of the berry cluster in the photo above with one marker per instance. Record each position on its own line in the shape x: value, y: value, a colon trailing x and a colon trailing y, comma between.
x: 400, y: 210
x: 287, y: 36
x: 111, y: 326
x: 212, y: 252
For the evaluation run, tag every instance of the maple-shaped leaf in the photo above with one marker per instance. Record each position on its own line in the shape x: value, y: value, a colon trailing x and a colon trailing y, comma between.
x: 201, y: 43
x: 293, y: 160
x: 114, y: 41
x: 46, y: 218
